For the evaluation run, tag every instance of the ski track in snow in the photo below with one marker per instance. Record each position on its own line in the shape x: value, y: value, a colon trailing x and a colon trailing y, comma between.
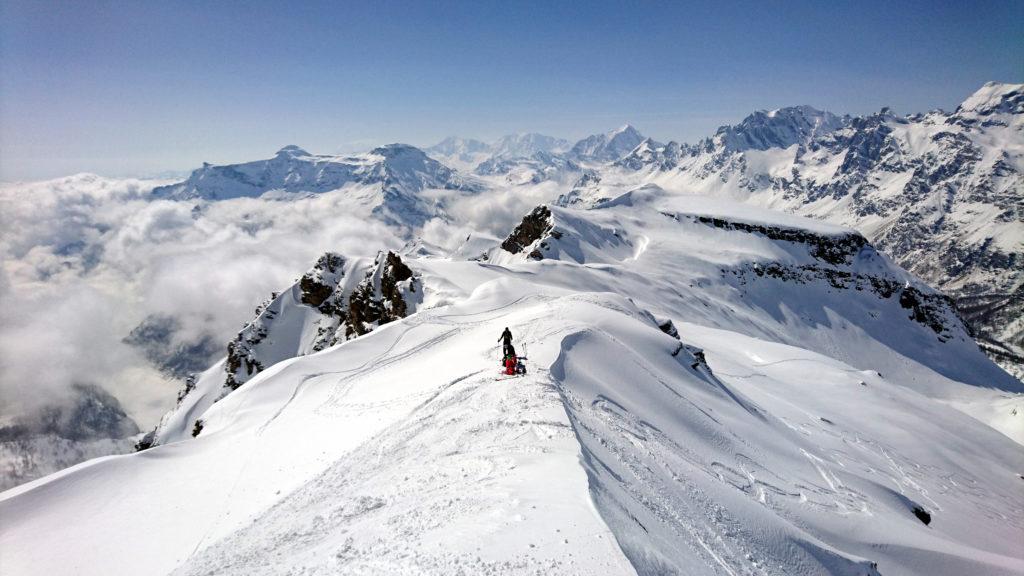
x: 527, y: 395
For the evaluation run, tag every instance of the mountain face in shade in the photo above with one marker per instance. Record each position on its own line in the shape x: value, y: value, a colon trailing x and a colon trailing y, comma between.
x: 91, y: 423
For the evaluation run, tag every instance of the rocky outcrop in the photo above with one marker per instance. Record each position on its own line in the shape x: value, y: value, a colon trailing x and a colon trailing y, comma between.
x: 535, y: 226
x: 319, y: 284
x: 931, y: 309
x: 338, y: 309
x: 334, y: 301
x: 384, y: 295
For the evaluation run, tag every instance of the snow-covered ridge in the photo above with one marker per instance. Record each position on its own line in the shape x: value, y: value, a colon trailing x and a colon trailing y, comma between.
x: 608, y: 147
x: 842, y: 258
x: 994, y: 98
x: 938, y: 192
x: 394, y: 167
x: 780, y: 128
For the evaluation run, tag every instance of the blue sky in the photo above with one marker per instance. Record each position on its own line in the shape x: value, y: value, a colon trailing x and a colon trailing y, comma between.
x: 137, y: 88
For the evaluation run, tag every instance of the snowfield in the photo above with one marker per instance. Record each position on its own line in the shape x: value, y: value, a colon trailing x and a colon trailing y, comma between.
x: 711, y: 389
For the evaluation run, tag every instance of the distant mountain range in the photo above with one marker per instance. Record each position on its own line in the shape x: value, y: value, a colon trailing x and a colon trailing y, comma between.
x: 941, y: 193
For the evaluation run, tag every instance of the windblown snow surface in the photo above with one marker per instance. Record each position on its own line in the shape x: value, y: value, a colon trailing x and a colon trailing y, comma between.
x: 794, y: 429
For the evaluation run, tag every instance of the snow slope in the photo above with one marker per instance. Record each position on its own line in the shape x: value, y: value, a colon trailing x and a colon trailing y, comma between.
x: 813, y: 404
x: 939, y: 192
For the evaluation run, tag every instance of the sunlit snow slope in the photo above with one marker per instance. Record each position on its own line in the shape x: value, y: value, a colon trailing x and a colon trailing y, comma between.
x: 815, y: 398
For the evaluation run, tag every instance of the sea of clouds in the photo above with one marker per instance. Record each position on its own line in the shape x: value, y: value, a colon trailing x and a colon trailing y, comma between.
x: 86, y: 259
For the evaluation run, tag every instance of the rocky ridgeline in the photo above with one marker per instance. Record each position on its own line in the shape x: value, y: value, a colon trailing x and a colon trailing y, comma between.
x: 388, y: 291
x: 834, y: 249
x: 931, y: 309
x: 381, y: 297
x: 337, y: 300
x: 949, y: 187
x: 837, y: 252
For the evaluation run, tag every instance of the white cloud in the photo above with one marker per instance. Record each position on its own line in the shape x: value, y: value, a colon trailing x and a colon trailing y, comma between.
x: 85, y: 259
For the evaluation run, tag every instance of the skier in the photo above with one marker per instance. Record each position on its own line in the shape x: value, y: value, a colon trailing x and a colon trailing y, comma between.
x: 506, y: 340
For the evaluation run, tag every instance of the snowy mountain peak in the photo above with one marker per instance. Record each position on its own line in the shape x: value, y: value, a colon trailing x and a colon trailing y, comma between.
x: 626, y: 128
x: 779, y: 128
x: 292, y: 150
x: 398, y: 150
x: 994, y: 98
x: 527, y: 145
x: 609, y: 146
x: 460, y: 153
x: 651, y: 154
x: 453, y: 146
x: 394, y: 174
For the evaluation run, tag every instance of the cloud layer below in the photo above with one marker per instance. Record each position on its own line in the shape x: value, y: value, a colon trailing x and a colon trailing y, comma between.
x: 86, y: 259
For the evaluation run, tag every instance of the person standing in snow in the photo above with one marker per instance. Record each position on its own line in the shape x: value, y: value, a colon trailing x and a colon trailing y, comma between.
x: 506, y: 341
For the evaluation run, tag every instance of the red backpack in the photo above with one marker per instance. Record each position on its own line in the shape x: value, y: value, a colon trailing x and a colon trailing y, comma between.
x: 510, y: 365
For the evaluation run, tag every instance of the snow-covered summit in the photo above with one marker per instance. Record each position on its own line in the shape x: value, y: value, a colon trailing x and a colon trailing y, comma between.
x: 399, y: 167
x: 460, y: 153
x: 779, y: 128
x: 994, y: 98
x: 609, y: 146
x: 292, y: 150
x: 527, y: 145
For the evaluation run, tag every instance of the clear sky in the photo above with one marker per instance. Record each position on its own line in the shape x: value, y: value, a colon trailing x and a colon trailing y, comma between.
x: 137, y: 88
